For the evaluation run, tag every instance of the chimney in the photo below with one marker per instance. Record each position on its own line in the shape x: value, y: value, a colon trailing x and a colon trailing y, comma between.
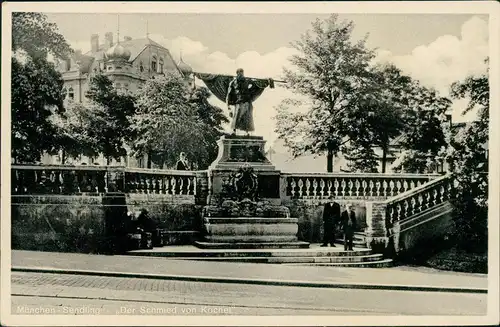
x: 108, y: 40
x: 127, y: 38
x: 94, y: 42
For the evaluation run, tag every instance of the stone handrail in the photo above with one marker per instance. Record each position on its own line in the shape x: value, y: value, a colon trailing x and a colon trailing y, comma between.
x: 382, y: 215
x: 65, y: 179
x: 351, y: 185
x: 419, y: 199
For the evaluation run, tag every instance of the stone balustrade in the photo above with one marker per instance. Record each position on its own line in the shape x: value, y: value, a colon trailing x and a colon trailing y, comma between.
x: 156, y: 181
x: 419, y: 199
x: 381, y: 216
x: 350, y: 186
x: 70, y: 180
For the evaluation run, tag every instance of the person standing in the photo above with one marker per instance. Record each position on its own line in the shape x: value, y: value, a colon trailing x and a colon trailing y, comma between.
x: 349, y: 226
x: 182, y: 163
x: 331, y: 216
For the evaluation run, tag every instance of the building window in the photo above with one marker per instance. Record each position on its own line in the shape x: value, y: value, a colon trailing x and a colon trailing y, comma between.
x: 161, y: 65
x: 71, y: 93
x: 153, y: 64
x: 141, y: 67
x: 64, y: 93
x: 126, y: 88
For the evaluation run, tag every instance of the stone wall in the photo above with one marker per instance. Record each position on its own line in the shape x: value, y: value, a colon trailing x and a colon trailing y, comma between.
x: 78, y: 223
x: 58, y: 223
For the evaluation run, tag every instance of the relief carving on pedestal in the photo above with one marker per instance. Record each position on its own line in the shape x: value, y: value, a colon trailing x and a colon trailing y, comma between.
x: 246, y: 153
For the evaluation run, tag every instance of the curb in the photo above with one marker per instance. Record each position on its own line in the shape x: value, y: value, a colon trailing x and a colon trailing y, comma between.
x: 269, y: 282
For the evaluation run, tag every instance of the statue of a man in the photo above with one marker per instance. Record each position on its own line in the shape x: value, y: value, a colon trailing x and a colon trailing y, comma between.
x: 240, y: 94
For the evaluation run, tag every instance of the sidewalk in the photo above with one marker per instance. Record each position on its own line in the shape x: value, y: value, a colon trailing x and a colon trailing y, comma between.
x: 398, y: 278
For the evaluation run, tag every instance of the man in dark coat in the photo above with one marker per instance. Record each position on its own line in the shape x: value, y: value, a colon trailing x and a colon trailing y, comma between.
x: 331, y: 216
x: 349, y: 225
x: 182, y: 163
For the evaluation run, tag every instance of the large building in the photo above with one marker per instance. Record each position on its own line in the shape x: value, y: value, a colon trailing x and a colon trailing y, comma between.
x: 128, y: 63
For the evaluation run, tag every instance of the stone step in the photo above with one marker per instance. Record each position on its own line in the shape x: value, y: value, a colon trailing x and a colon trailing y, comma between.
x: 290, y: 259
x: 174, y: 252
x: 251, y: 245
x: 385, y: 263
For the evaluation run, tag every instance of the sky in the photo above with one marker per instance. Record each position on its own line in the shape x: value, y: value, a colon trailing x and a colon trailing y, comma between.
x: 436, y: 49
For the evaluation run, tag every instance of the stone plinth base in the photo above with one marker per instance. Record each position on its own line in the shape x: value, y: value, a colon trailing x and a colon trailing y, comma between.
x: 250, y: 233
x: 234, y: 151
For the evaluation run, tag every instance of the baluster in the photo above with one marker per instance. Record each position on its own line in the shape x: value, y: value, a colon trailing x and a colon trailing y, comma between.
x: 406, y: 205
x: 412, y: 185
x: 322, y: 187
x: 358, y: 185
x: 301, y: 185
x: 154, y: 184
x: 405, y: 186
x: 377, y: 185
x: 308, y: 186
x: 315, y: 187
x: 330, y: 184
x: 441, y: 191
x: 391, y: 214
x: 161, y: 185
x: 149, y: 184
x: 434, y: 196
x: 413, y: 205
x: 427, y: 199
x: 371, y: 187
x: 166, y: 183
x: 385, y: 192
x: 293, y: 185
x: 181, y: 185
x: 391, y: 188
x: 398, y: 187
x: 418, y: 183
x: 336, y: 187
x: 343, y: 185
x: 350, y: 185
x: 173, y: 183
x: 365, y: 190
x: 398, y: 210
x: 420, y: 202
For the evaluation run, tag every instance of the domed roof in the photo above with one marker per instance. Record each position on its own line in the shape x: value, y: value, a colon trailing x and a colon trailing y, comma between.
x: 118, y: 52
x: 184, y: 68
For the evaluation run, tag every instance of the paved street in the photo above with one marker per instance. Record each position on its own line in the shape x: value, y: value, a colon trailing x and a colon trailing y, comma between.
x: 75, y: 294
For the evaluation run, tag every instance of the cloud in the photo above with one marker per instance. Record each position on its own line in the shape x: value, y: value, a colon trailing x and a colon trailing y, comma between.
x: 446, y: 60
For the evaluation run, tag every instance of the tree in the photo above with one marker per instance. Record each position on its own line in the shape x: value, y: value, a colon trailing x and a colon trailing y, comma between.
x: 469, y: 165
x: 115, y: 112
x: 99, y: 126
x: 36, y: 85
x: 212, y: 117
x: 167, y: 122
x: 425, y: 135
x: 378, y: 117
x: 333, y: 72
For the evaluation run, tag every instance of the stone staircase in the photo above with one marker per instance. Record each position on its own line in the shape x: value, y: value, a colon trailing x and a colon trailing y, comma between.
x: 312, y: 256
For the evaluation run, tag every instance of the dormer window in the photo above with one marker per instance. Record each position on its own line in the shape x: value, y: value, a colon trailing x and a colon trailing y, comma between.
x: 71, y: 93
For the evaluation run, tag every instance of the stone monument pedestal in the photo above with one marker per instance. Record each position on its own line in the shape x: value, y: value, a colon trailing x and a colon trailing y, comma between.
x: 244, y: 207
